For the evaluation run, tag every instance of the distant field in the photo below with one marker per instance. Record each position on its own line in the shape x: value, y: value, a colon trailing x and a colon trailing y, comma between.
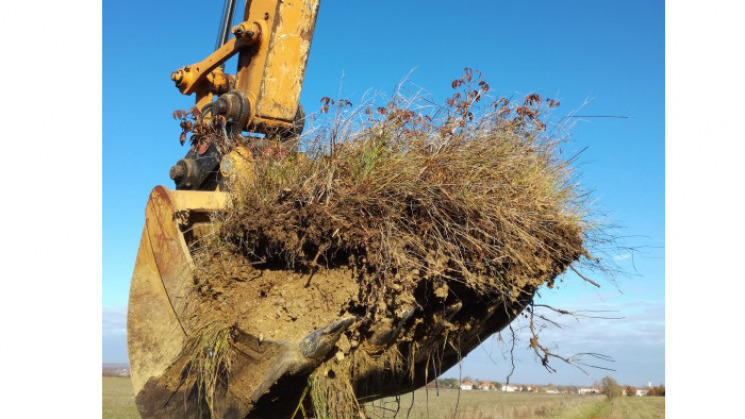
x: 118, y: 398
x: 483, y: 404
x: 118, y: 402
x: 631, y: 408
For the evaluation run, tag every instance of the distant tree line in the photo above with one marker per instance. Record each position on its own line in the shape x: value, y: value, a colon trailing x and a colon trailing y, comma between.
x: 447, y: 382
x: 612, y: 389
x: 657, y: 391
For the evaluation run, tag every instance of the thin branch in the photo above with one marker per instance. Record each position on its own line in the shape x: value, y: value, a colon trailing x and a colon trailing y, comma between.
x: 584, y: 277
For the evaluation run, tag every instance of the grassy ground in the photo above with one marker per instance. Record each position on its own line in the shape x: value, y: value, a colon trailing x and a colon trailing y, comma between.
x: 118, y: 402
x: 118, y: 398
x: 482, y: 404
x: 620, y: 408
x: 635, y: 408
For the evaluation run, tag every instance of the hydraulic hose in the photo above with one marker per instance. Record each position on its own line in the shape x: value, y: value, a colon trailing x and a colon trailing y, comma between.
x: 223, y: 33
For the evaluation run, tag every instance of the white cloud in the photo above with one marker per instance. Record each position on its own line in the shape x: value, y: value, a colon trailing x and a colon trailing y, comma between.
x: 636, y: 343
x: 114, y: 321
x: 114, y: 343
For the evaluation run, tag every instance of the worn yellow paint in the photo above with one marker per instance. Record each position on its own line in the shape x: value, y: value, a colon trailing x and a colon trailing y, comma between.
x: 158, y: 317
x: 237, y: 166
x: 189, y: 79
x: 286, y: 61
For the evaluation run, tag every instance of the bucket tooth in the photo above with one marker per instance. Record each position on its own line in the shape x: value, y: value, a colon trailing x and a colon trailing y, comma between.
x: 319, y: 343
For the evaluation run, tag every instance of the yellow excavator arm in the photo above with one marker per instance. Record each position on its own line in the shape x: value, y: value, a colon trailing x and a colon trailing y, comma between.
x: 272, y: 43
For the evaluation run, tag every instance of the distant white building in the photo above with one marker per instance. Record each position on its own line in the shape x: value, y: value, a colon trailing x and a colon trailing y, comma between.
x: 590, y: 390
x: 552, y: 391
x: 466, y: 385
x: 509, y: 388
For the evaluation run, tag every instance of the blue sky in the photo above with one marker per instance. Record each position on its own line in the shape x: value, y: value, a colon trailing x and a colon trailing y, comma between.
x: 606, y: 58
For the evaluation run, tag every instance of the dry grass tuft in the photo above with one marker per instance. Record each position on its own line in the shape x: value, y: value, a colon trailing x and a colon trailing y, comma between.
x: 479, y: 199
x: 211, y: 358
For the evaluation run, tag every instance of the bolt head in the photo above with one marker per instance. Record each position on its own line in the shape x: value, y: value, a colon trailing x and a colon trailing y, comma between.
x: 177, y: 172
x: 221, y: 107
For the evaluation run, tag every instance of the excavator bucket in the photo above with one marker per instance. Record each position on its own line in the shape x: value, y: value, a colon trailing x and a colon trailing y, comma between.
x: 267, y: 376
x: 156, y: 326
x: 162, y: 319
